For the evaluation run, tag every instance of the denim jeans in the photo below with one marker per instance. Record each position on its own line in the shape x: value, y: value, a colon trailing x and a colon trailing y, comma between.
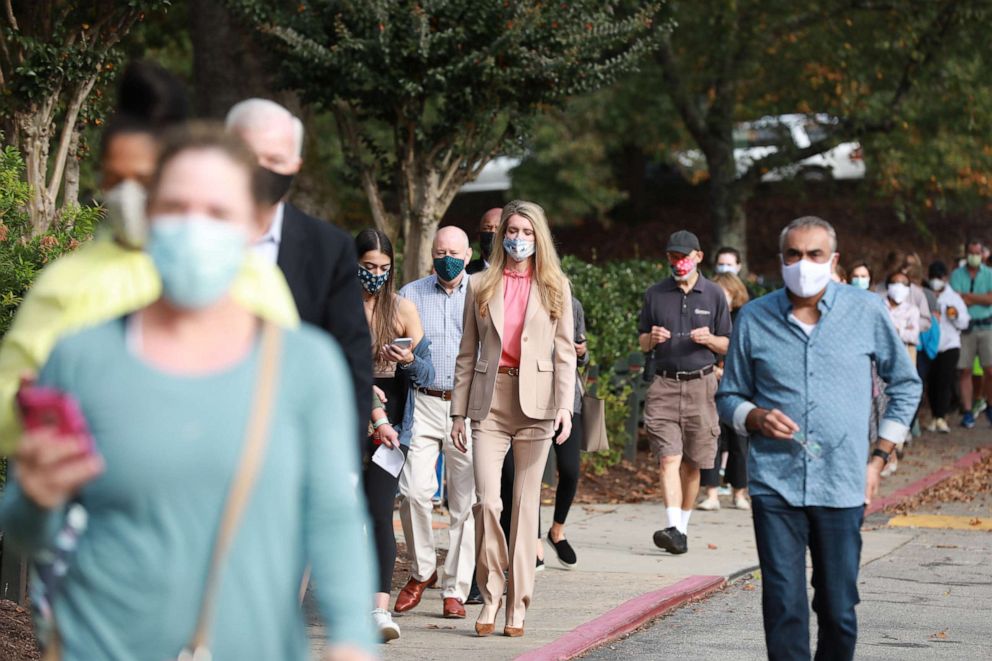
x: 834, y: 538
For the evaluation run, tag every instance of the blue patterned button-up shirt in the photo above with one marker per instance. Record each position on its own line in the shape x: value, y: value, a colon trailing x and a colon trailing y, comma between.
x: 441, y: 315
x: 823, y: 382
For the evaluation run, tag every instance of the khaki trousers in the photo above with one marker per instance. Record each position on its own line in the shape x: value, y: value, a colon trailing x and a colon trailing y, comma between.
x: 431, y: 431
x: 507, y: 427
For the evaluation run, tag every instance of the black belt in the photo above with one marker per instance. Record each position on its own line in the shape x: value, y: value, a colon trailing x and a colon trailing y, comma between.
x: 980, y: 323
x: 686, y: 376
x: 441, y: 394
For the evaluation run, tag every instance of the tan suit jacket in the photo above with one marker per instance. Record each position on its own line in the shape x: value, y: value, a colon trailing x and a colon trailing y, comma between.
x: 547, y: 358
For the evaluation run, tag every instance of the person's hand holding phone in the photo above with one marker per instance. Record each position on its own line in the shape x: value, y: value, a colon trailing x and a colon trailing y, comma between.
x: 52, y: 467
x: 399, y: 351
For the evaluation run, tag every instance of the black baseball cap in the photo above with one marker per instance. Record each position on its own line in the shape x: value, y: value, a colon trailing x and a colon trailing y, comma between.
x: 682, y: 242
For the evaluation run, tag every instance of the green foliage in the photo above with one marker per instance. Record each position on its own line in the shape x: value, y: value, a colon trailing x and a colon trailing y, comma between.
x: 21, y: 255
x: 612, y: 295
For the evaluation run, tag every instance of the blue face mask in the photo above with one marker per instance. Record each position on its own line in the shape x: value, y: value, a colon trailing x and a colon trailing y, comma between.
x: 196, y: 256
x: 448, y: 267
x: 519, y: 249
x: 372, y: 283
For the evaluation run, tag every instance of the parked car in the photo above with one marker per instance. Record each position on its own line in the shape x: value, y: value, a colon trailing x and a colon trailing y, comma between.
x: 757, y: 139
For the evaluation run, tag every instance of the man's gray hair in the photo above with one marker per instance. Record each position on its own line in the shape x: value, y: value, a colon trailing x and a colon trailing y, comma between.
x: 807, y: 222
x: 259, y: 113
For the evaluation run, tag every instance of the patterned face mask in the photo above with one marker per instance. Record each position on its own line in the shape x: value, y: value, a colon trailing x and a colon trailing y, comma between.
x: 684, y: 268
x: 372, y: 283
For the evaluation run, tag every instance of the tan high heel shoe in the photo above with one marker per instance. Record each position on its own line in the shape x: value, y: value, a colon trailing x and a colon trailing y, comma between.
x: 513, y: 632
x: 483, y: 629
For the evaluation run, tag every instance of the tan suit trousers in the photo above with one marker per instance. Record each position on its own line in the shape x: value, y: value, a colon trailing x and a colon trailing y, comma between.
x: 504, y: 428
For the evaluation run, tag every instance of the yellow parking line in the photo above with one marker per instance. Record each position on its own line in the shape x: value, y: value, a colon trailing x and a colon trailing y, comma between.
x: 942, y: 521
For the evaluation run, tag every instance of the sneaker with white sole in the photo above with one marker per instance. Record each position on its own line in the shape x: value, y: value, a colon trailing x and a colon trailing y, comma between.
x: 940, y: 426
x: 383, y: 619
x: 890, y: 468
x: 708, y: 505
x: 742, y: 503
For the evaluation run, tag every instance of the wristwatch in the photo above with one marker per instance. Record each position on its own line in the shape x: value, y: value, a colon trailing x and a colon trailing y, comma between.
x: 878, y: 452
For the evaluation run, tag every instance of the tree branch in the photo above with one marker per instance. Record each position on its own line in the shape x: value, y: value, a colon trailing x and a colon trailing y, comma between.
x: 349, y: 136
x: 68, y: 129
x: 9, y: 8
x: 694, y: 120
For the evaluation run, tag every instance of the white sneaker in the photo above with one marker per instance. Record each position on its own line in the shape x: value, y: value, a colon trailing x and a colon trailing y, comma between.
x: 383, y: 620
x: 742, y: 503
x: 932, y: 425
x: 890, y: 468
x: 941, y: 426
x: 708, y: 505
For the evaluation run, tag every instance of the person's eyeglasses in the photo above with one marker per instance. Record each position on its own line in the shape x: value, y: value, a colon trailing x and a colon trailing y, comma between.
x: 813, y: 448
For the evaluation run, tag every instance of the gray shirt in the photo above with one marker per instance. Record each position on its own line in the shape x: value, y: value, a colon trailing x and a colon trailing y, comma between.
x: 579, y: 317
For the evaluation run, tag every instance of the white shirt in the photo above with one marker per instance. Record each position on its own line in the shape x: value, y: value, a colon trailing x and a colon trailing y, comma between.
x: 950, y: 329
x: 268, y: 245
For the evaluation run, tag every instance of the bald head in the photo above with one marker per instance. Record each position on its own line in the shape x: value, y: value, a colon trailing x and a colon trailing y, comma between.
x: 272, y: 132
x: 490, y: 220
x: 451, y: 242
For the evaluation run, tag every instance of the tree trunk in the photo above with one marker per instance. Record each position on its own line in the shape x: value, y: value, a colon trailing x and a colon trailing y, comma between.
x: 35, y: 129
x: 726, y: 198
x: 70, y: 194
x: 417, y: 260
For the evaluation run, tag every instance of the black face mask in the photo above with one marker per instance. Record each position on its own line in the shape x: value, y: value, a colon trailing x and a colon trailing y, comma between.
x: 272, y: 185
x: 486, y: 243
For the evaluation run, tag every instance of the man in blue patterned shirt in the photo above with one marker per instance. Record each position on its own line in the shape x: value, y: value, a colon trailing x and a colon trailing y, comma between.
x: 798, y: 381
x: 440, y: 301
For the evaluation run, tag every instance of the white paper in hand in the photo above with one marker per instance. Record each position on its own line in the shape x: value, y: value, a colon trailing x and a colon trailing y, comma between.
x: 390, y: 459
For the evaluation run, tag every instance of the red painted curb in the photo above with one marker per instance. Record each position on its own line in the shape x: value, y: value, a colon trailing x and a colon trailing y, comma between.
x: 624, y: 619
x: 940, y: 475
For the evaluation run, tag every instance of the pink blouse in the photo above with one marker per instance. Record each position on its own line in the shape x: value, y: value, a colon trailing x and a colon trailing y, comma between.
x: 516, y: 292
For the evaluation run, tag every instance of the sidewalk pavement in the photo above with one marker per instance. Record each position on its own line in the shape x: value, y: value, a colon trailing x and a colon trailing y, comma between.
x: 622, y: 579
x: 618, y: 562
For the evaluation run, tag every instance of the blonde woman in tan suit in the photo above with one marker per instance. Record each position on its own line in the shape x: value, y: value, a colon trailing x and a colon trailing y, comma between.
x: 515, y: 379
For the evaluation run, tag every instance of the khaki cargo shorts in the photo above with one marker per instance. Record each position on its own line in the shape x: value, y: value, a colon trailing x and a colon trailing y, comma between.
x: 680, y: 418
x: 977, y: 342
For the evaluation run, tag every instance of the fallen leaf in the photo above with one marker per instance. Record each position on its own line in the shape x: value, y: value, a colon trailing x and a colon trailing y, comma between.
x: 940, y: 634
x: 711, y: 547
x: 749, y: 588
x: 438, y: 626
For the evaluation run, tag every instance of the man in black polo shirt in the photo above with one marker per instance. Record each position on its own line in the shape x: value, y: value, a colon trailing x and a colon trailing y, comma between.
x: 685, y: 322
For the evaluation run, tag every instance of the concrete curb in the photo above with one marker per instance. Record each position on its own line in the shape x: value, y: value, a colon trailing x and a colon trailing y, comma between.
x: 625, y: 618
x: 926, y: 482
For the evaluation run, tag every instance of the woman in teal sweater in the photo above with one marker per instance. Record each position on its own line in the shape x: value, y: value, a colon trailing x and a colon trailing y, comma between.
x: 167, y: 393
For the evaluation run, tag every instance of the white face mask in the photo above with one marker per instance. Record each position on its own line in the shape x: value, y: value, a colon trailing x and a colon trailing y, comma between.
x: 125, y: 204
x: 806, y: 278
x: 937, y: 284
x: 728, y: 268
x: 898, y: 292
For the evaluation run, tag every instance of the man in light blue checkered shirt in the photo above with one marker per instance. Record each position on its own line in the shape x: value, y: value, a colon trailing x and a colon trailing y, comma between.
x: 440, y: 301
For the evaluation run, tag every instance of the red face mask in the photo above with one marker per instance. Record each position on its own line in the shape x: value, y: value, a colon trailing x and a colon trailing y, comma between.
x: 684, y: 267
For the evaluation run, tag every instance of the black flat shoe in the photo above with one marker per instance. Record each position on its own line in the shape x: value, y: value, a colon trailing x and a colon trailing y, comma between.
x: 671, y: 540
x: 564, y: 551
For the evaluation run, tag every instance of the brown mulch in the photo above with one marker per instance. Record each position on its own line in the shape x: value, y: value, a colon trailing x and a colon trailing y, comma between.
x: 962, y: 488
x: 627, y: 482
x: 16, y: 634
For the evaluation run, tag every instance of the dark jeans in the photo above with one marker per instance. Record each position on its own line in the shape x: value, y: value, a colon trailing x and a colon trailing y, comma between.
x: 380, y: 493
x: 833, y: 536
x: 943, y: 379
x: 736, y: 447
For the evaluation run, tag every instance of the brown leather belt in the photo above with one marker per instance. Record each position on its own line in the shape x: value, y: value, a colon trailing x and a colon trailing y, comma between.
x: 441, y: 394
x: 686, y: 376
x: 511, y: 371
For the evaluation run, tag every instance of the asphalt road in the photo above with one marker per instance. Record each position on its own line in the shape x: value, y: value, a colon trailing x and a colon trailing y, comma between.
x: 930, y: 598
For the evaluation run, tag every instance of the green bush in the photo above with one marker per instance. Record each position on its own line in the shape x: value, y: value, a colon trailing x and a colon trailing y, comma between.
x: 612, y: 295
x: 22, y: 255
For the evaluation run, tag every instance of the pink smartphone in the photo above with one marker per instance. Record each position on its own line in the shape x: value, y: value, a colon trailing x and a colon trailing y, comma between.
x: 47, y: 407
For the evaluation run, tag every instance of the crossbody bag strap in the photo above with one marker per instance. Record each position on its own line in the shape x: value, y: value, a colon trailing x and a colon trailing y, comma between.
x: 256, y: 439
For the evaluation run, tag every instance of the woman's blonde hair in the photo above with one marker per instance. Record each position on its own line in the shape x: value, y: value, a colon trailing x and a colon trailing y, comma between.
x: 733, y: 286
x: 547, y: 267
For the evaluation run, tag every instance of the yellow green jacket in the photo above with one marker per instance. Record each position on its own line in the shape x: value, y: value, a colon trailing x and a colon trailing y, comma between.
x: 99, y: 281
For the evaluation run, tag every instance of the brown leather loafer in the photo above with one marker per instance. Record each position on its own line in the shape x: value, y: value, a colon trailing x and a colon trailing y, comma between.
x: 453, y: 609
x: 513, y: 632
x: 412, y: 593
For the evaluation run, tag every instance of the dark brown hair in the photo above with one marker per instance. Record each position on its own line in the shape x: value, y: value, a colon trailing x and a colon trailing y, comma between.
x: 385, y: 312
